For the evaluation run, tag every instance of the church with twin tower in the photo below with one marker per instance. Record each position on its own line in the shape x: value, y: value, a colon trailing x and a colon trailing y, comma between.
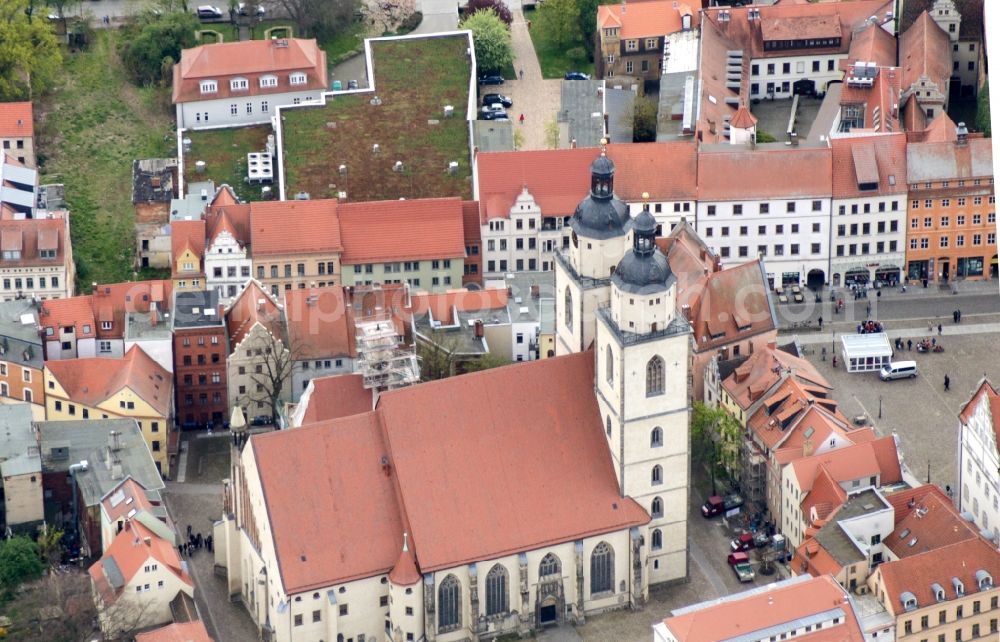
x: 615, y: 294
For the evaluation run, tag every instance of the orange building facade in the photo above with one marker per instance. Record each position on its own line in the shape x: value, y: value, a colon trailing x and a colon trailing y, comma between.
x: 951, y: 227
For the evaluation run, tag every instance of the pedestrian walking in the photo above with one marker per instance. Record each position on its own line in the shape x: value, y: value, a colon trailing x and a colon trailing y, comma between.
x: 909, y: 345
x: 939, y: 329
x: 834, y: 361
x: 959, y: 316
x: 947, y: 383
x: 868, y: 309
x: 522, y: 119
x: 821, y: 323
x: 954, y: 316
x: 522, y: 73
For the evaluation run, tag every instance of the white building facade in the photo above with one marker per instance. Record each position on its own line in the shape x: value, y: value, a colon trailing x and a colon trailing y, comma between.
x: 979, y: 460
x: 227, y: 266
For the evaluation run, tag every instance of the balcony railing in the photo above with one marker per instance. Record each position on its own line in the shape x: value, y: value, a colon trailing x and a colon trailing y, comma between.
x: 676, y: 327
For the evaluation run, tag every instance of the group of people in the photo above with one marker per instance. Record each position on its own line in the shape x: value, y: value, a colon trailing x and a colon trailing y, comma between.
x: 869, y: 326
x: 195, y: 541
x: 956, y: 315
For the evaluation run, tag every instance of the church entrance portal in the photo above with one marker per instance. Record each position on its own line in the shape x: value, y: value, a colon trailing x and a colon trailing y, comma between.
x: 547, y: 612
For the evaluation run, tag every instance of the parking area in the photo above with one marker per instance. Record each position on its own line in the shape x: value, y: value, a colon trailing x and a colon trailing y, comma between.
x: 919, y: 411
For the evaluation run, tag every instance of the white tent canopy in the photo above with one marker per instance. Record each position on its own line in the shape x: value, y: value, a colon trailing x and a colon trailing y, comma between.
x: 865, y: 352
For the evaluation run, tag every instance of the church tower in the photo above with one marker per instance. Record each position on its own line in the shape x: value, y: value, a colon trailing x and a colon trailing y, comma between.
x: 641, y: 373
x: 583, y: 275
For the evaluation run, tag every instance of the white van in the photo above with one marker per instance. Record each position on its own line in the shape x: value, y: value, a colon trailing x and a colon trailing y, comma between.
x: 898, y: 370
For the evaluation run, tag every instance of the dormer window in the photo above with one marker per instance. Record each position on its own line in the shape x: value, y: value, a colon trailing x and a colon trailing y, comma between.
x: 959, y: 587
x: 209, y: 86
x: 297, y: 78
x: 268, y: 81
x: 984, y: 580
x: 909, y: 600
x: 938, y: 591
x: 12, y: 255
x: 239, y: 84
x: 47, y: 254
x: 105, y: 325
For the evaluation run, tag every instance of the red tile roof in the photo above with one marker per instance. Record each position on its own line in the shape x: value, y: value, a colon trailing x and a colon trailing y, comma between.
x: 734, y: 303
x: 76, y: 311
x: 234, y: 219
x: 93, y: 380
x: 743, y: 119
x: 16, y: 120
x: 553, y: 448
x: 406, y: 230
x: 925, y: 50
x: 559, y: 179
x: 741, y: 616
x: 251, y: 59
x: 374, y: 467
x: 758, y: 374
x: 883, y: 158
x: 826, y: 496
x: 130, y: 549
x: 866, y: 459
x: 251, y: 306
x: 743, y: 174
x: 32, y: 235
x: 646, y: 19
x: 193, y: 631
x: 335, y: 397
x: 873, y: 44
x: 925, y: 520
x: 355, y: 529
x: 405, y: 572
x: 443, y: 306
x: 133, y: 497
x: 108, y: 302
x: 917, y: 574
x: 295, y: 227
x: 320, y: 323
x: 187, y: 235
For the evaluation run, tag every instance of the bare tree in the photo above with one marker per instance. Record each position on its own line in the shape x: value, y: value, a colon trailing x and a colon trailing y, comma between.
x: 319, y: 18
x: 272, y: 363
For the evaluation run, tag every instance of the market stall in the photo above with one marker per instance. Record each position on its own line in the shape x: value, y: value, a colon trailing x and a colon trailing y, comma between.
x: 865, y: 352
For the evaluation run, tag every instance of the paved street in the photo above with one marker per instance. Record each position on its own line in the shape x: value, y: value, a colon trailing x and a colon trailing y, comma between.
x: 199, y: 503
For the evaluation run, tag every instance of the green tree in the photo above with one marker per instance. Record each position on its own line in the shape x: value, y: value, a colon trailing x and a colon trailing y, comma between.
x: 983, y: 111
x: 50, y: 545
x: 561, y: 19
x: 19, y: 562
x: 321, y: 19
x: 552, y: 133
x: 494, y: 51
x: 161, y: 37
x: 29, y: 52
x: 716, y: 437
x: 644, y: 120
x: 588, y: 22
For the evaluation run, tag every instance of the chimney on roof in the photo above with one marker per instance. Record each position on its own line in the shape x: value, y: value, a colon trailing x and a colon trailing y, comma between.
x: 572, y: 143
x: 536, y: 292
x: 962, y: 134
x: 148, y: 541
x: 479, y: 328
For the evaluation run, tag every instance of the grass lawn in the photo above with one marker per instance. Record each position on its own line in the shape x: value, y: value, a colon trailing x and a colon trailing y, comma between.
x: 90, y: 129
x: 225, y: 154
x: 555, y: 60
x: 317, y: 140
x: 231, y: 33
x: 344, y: 42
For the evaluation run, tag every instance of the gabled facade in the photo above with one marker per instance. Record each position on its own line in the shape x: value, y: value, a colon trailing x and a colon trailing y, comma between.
x: 187, y: 240
x: 320, y: 327
x: 21, y: 356
x: 259, y: 362
x: 199, y: 353
x: 962, y: 20
x: 241, y: 83
x: 228, y: 261
x: 923, y: 58
x: 136, y: 579
x: 978, y: 486
x: 134, y: 386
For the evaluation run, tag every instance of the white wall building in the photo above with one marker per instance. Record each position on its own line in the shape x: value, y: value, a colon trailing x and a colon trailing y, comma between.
x: 979, y: 459
x: 869, y: 209
x: 241, y: 83
x: 227, y: 262
x: 744, y: 213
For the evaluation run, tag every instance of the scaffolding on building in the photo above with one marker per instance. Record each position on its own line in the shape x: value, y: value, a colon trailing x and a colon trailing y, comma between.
x: 384, y: 363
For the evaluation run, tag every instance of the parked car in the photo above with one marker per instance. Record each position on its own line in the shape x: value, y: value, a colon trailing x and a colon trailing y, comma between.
x: 243, y: 9
x: 740, y: 562
x: 337, y: 85
x: 497, y: 99
x: 742, y: 543
x: 494, y: 115
x: 352, y: 84
x: 576, y: 75
x: 717, y: 505
x: 207, y: 11
x: 495, y: 107
x: 490, y: 79
x: 261, y: 420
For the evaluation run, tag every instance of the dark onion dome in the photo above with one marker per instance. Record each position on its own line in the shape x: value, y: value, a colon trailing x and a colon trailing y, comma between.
x: 640, y: 274
x: 601, y: 215
x: 643, y: 269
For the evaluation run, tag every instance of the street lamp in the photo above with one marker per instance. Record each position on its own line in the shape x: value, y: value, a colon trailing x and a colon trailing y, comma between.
x: 880, y: 406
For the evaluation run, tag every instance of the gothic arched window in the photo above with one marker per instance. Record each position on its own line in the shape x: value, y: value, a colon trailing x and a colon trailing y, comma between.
x: 657, y: 476
x: 609, y: 364
x: 654, y: 377
x: 549, y: 565
x: 657, y: 508
x: 496, y: 590
x: 607, y: 425
x: 656, y: 437
x: 602, y: 569
x: 449, y: 602
x: 657, y: 539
